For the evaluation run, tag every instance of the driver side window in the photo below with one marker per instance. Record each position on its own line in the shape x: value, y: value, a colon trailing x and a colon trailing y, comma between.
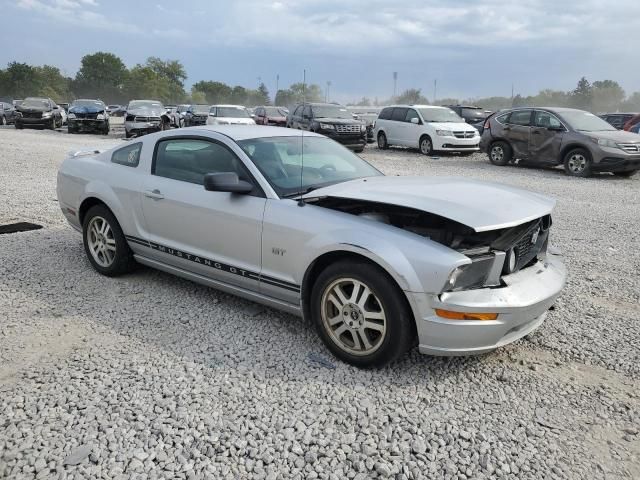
x: 546, y: 120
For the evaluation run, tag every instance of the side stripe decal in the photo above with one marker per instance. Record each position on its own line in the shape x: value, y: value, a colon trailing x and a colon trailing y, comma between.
x: 214, y: 264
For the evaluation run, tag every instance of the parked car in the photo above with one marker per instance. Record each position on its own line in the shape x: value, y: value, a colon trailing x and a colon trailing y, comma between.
x: 579, y: 140
x: 617, y: 120
x: 331, y: 120
x: 472, y: 115
x: 7, y: 113
x: 65, y: 106
x: 17, y: 102
x: 37, y: 111
x: 368, y: 115
x: 116, y: 110
x: 196, y: 115
x: 182, y: 111
x: 88, y: 115
x: 296, y: 221
x: 631, y: 122
x: 63, y: 113
x: 429, y: 128
x: 145, y: 116
x: 229, y: 115
x: 276, y: 116
x: 175, y: 120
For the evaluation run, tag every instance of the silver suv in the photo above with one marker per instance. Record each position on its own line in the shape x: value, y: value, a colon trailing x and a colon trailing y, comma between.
x: 579, y: 140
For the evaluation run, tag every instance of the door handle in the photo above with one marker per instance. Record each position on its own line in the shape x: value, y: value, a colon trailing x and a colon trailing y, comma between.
x: 155, y: 194
x: 536, y: 132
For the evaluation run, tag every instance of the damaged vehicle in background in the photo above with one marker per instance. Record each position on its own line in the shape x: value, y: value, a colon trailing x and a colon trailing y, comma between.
x: 38, y: 112
x: 196, y: 115
x: 145, y: 116
x: 295, y: 221
x: 229, y: 115
x: 276, y: 116
x: 86, y: 115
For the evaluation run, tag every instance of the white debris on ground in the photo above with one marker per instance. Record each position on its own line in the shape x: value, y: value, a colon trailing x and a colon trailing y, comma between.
x: 151, y: 376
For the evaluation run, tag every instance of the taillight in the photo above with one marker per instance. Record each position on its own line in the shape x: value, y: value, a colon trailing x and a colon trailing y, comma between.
x: 487, y: 124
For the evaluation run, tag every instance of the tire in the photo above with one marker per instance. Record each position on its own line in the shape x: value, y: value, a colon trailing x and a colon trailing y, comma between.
x: 105, y: 130
x: 382, y: 141
x: 181, y: 123
x: 127, y: 134
x: 426, y: 145
x: 577, y: 163
x: 71, y: 129
x: 3, y: 120
x: 18, y: 126
x: 53, y: 124
x: 627, y: 174
x: 359, y: 150
x: 393, y: 331
x: 104, y: 243
x: 500, y: 153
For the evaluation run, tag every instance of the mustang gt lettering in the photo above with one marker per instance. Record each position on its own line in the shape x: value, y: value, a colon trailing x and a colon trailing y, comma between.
x: 378, y: 264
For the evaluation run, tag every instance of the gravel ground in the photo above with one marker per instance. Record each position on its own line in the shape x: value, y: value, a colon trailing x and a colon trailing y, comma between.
x: 150, y: 376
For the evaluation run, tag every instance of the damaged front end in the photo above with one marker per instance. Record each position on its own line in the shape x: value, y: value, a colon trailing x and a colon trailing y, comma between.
x: 493, y: 254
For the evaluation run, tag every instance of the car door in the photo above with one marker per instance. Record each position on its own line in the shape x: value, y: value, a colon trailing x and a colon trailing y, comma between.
x: 517, y: 131
x: 546, y: 137
x: 307, y: 115
x: 413, y: 128
x: 396, y: 124
x: 215, y: 234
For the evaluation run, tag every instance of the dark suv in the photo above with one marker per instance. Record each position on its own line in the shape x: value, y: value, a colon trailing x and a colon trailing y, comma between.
x: 617, y: 120
x: 331, y: 120
x: 579, y: 140
x: 196, y: 115
x: 472, y: 115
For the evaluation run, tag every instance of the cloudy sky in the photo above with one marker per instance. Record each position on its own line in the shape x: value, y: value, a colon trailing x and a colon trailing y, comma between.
x: 472, y: 47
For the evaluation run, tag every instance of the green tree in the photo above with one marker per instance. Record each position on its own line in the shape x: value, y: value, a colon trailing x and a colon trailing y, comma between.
x: 144, y: 83
x: 172, y: 74
x: 239, y: 95
x: 582, y: 95
x: 632, y: 103
x: 101, y: 75
x: 412, y: 96
x: 197, y: 97
x: 284, y: 98
x: 607, y: 96
x: 215, y: 92
x: 308, y: 93
x: 262, y: 97
x: 21, y: 80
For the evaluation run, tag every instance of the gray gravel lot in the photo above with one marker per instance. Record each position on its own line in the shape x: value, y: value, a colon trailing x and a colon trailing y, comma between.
x: 150, y: 376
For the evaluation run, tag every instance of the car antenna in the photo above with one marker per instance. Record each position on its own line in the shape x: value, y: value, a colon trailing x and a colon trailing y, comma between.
x: 304, y: 101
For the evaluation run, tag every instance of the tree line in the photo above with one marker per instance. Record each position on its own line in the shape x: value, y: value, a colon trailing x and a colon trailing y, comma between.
x: 104, y: 75
x: 598, y: 97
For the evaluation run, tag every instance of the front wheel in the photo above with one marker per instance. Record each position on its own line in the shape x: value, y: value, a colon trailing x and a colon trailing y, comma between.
x: 361, y: 314
x: 104, y: 243
x: 426, y: 145
x: 577, y: 163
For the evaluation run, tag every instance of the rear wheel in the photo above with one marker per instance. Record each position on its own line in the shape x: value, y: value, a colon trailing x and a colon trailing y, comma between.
x: 104, y: 243
x: 361, y: 314
x: 426, y: 145
x: 382, y: 141
x: 577, y: 163
x: 500, y: 153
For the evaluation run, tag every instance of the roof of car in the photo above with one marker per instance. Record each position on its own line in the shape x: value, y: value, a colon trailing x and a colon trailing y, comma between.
x: 416, y: 106
x: 244, y: 132
x: 232, y: 106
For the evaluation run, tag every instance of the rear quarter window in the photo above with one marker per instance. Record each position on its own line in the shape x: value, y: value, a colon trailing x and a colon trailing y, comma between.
x: 128, y: 156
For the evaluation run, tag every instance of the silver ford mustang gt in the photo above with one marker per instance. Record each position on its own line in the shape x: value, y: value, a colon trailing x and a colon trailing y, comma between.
x: 295, y: 221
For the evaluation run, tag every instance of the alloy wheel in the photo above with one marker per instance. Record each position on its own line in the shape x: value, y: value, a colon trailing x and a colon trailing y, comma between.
x: 101, y: 241
x: 425, y: 146
x: 353, y: 316
x: 577, y: 163
x: 497, y: 153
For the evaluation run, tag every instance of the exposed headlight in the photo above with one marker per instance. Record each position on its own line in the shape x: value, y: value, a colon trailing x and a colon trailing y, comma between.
x: 363, y: 128
x: 473, y: 275
x: 46, y: 114
x: 327, y: 126
x: 71, y: 116
x: 604, y: 142
x: 100, y: 116
x: 444, y: 133
x: 510, y: 261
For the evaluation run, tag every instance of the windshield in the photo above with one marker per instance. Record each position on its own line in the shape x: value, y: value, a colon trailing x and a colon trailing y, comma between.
x: 232, y: 112
x: 326, y: 162
x: 35, y: 103
x: 444, y: 115
x: 144, y: 104
x: 200, y: 108
x: 585, y: 121
x: 87, y: 103
x: 473, y: 113
x: 330, y: 111
x: 276, y: 112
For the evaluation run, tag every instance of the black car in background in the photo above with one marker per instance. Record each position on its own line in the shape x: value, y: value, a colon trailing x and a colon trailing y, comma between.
x: 331, y: 120
x: 472, y: 115
x: 617, y: 120
x: 116, y: 110
x: 7, y: 113
x: 86, y: 115
x: 38, y: 112
x: 196, y: 115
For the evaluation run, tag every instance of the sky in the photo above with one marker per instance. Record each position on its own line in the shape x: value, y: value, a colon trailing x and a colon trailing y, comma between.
x: 472, y: 48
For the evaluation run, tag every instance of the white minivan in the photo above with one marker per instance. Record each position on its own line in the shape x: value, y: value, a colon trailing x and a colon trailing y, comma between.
x: 425, y: 127
x: 229, y: 115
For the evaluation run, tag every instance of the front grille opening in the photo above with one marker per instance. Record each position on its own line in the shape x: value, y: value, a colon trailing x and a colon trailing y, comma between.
x: 18, y: 227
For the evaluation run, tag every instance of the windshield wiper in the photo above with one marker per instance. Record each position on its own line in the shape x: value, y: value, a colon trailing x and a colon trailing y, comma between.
x: 301, y: 192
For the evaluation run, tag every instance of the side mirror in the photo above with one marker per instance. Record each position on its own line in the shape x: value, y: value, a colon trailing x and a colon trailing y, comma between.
x: 415, y: 120
x: 226, y: 182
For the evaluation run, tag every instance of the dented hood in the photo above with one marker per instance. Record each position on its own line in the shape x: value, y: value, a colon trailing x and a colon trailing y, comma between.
x: 482, y: 206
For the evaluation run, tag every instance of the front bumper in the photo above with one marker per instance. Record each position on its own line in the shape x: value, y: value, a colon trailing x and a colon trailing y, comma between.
x: 26, y: 121
x: 86, y: 124
x: 521, y: 306
x: 356, y: 140
x: 623, y: 163
x: 454, y: 144
x: 142, y: 127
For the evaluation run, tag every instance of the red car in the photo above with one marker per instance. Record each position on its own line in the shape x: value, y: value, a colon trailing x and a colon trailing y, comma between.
x: 276, y: 116
x: 631, y: 123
